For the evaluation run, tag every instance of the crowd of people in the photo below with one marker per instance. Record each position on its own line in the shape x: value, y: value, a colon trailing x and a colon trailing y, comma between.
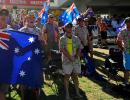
x: 71, y: 40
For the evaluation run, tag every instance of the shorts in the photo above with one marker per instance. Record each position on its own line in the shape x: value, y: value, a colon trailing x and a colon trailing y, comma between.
x: 126, y: 60
x: 4, y: 88
x: 103, y: 35
x: 71, y: 68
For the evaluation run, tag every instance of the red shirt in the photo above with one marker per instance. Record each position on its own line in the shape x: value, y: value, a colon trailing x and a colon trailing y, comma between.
x: 103, y: 27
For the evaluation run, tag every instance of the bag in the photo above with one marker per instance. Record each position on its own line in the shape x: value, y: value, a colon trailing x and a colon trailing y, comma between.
x: 56, y: 58
x: 116, y: 55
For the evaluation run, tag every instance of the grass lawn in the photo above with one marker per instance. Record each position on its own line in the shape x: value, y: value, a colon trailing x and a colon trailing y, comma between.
x: 90, y: 88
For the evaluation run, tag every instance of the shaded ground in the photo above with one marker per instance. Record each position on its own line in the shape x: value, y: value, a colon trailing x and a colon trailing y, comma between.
x: 92, y: 88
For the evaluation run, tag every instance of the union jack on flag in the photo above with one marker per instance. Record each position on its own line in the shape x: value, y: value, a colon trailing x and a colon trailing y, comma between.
x: 41, y: 12
x: 69, y: 15
x: 21, y: 59
x: 69, y: 10
x: 46, y: 5
x: 4, y: 36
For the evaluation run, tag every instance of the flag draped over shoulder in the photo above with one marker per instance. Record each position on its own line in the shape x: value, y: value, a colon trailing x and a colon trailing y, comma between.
x: 69, y: 15
x: 20, y: 60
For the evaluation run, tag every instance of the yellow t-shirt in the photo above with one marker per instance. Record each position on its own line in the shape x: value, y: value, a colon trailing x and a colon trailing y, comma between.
x: 70, y: 46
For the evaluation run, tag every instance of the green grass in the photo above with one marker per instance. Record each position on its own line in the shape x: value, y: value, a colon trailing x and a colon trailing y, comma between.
x: 90, y: 88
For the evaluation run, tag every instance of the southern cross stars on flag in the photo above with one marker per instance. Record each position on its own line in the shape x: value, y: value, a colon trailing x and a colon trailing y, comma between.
x: 69, y: 15
x: 21, y: 60
x: 43, y: 14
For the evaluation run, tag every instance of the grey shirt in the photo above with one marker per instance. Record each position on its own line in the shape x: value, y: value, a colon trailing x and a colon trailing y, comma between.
x: 82, y: 33
x: 125, y: 35
x: 75, y: 45
x: 50, y: 29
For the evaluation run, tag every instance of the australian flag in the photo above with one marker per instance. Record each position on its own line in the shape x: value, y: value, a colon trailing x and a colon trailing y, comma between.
x: 89, y: 13
x: 69, y: 15
x: 121, y: 27
x: 43, y: 14
x: 20, y: 60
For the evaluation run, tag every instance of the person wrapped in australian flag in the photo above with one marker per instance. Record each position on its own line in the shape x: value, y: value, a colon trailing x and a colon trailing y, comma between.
x: 20, y: 60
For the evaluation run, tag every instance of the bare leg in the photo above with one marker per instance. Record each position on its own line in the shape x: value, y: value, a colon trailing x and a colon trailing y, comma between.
x: 126, y: 76
x: 66, y: 85
x: 38, y: 91
x: 22, y: 92
x: 91, y: 54
x: 2, y: 96
x: 76, y: 83
x: 91, y: 48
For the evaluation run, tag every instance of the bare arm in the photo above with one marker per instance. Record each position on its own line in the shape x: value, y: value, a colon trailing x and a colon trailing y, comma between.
x: 44, y: 35
x: 119, y: 41
x: 78, y: 50
x: 64, y: 51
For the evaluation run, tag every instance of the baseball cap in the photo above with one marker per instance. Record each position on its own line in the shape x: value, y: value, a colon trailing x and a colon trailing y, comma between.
x: 80, y: 19
x: 4, y: 12
x: 69, y: 25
